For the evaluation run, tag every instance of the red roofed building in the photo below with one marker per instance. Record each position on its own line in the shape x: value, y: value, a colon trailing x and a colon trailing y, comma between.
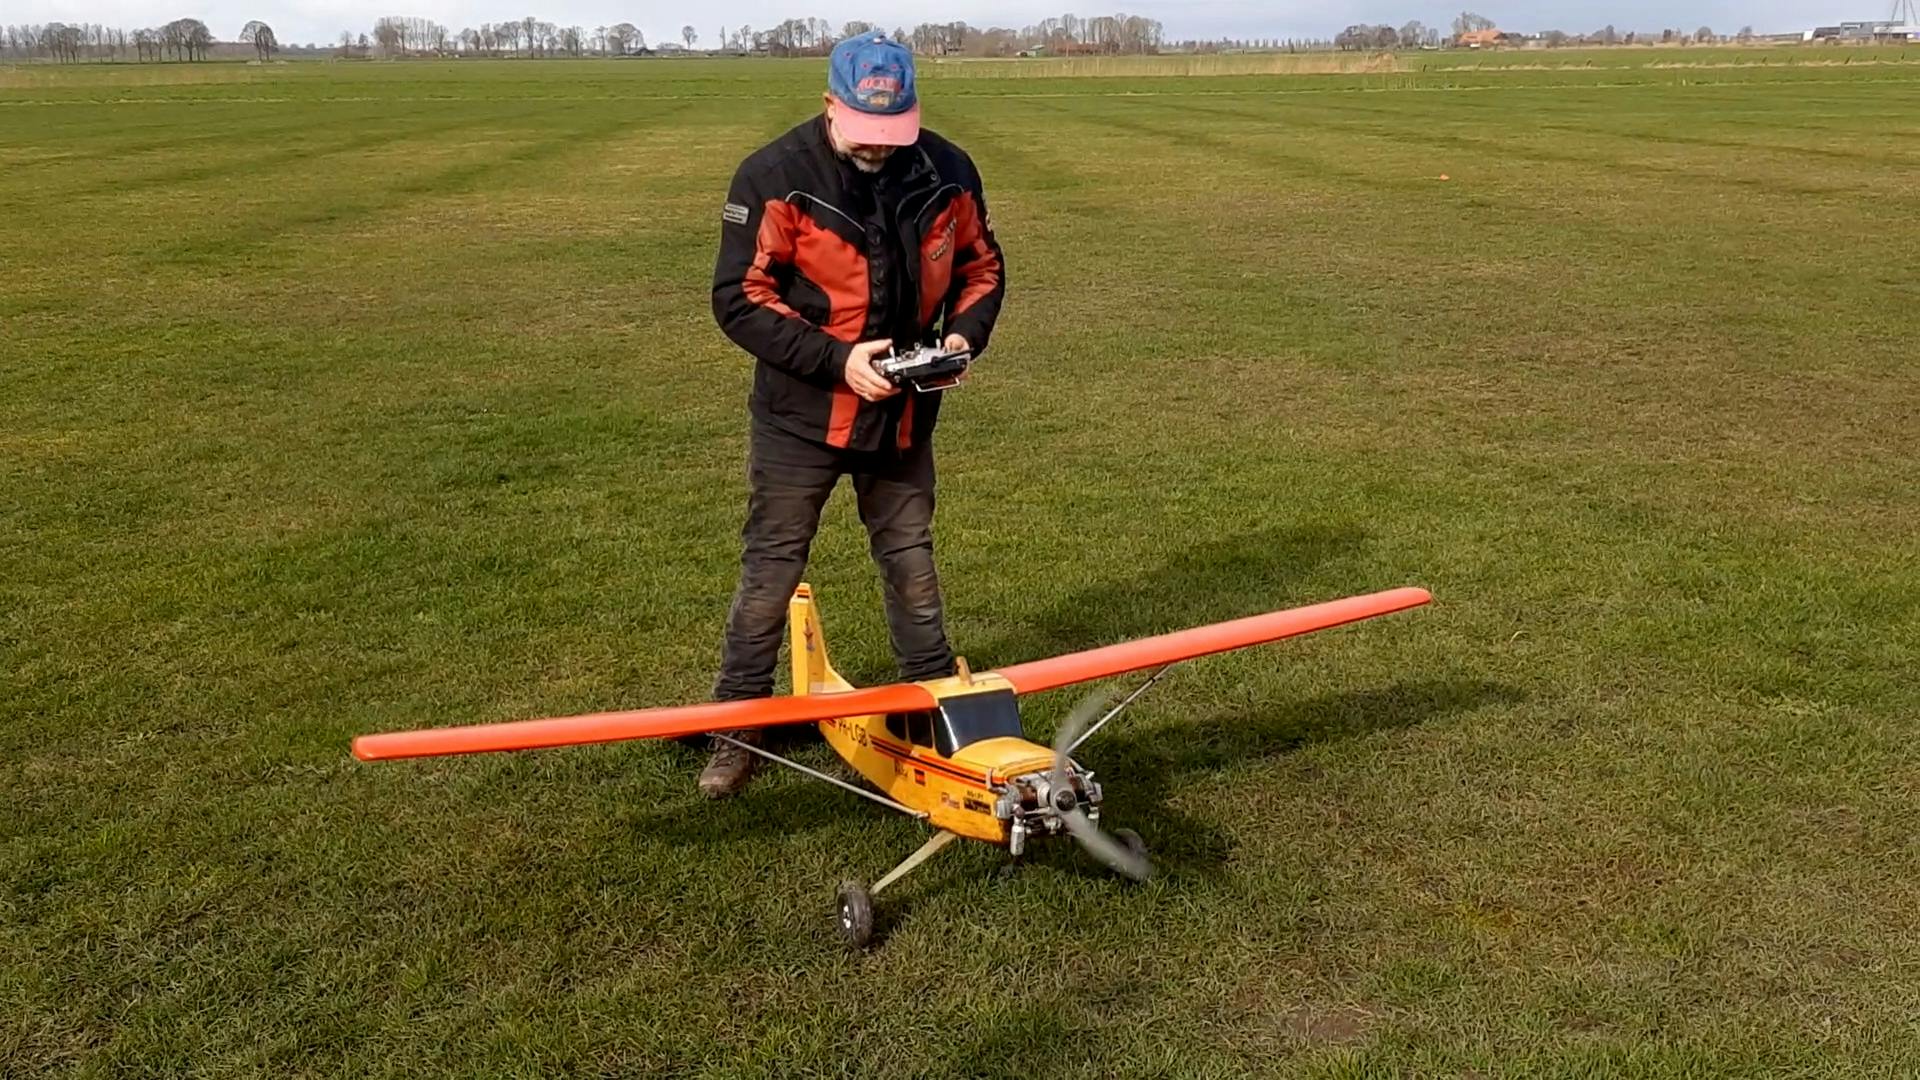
x: 1480, y: 39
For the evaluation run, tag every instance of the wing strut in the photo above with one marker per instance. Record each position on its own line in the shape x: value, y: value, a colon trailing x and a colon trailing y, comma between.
x: 835, y: 781
x: 1117, y: 709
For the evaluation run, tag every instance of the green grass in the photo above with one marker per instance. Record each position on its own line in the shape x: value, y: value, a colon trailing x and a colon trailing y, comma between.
x: 337, y: 399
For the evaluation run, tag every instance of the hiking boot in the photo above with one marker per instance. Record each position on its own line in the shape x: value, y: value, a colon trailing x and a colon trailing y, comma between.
x: 730, y: 767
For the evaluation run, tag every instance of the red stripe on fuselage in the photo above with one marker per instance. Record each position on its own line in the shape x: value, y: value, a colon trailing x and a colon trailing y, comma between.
x: 901, y: 753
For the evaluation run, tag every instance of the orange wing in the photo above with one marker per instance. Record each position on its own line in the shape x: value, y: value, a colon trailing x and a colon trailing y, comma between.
x: 1128, y: 656
x: 665, y: 722
x: 677, y: 720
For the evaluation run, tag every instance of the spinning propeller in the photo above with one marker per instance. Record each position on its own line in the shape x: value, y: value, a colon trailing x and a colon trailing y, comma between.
x: 1122, y: 851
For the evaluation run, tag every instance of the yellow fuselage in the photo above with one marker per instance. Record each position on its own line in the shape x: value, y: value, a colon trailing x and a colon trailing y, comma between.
x: 956, y: 793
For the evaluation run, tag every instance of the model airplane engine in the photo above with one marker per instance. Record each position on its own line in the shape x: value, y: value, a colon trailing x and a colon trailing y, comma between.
x: 1032, y: 805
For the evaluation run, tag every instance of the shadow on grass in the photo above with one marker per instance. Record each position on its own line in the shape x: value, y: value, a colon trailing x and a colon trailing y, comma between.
x: 756, y: 814
x: 1011, y: 1039
x: 762, y: 809
x: 1144, y: 770
x: 1224, y: 579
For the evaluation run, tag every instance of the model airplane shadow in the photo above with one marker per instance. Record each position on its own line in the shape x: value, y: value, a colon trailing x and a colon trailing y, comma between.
x: 1160, y: 760
x: 1203, y: 583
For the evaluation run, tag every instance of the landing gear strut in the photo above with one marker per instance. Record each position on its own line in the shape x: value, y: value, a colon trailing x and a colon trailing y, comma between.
x: 854, y: 909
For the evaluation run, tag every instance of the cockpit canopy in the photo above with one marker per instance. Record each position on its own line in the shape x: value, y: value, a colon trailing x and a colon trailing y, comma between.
x: 960, y: 721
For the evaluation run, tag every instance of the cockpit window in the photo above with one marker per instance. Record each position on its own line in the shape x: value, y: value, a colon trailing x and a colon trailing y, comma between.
x: 912, y: 727
x: 966, y: 719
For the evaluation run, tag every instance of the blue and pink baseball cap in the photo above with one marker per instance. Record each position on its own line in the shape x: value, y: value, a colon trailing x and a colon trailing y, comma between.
x: 871, y: 76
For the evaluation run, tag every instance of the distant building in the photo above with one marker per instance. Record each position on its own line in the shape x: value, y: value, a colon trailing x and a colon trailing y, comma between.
x: 1482, y: 39
x: 1864, y: 30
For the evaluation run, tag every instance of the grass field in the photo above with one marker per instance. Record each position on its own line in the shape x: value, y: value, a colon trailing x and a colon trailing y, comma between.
x: 337, y: 399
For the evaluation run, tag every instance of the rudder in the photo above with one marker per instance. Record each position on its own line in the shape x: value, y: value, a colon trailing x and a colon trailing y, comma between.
x: 808, y: 645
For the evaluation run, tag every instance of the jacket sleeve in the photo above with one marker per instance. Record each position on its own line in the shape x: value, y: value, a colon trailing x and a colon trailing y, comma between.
x: 980, y: 269
x: 756, y: 236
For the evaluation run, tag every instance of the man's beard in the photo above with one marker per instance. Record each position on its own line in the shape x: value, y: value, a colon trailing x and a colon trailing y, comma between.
x: 864, y: 163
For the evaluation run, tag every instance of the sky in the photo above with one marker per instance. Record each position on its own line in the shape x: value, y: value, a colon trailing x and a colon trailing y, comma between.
x: 304, y: 21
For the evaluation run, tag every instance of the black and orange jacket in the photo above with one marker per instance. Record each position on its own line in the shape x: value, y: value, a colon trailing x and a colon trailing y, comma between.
x: 813, y: 261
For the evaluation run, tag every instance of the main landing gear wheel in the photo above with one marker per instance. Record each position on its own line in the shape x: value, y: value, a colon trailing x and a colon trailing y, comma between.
x: 854, y: 915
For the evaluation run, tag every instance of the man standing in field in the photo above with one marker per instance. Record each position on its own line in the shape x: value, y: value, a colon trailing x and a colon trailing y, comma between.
x: 852, y: 234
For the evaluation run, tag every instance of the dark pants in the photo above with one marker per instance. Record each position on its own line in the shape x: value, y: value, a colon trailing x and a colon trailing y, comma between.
x: 790, y: 479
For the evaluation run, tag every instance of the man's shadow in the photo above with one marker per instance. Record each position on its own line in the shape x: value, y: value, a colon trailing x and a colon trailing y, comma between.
x: 1204, y: 583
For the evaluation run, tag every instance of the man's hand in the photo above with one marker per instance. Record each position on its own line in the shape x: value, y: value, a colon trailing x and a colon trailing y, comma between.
x: 865, y: 381
x: 956, y: 343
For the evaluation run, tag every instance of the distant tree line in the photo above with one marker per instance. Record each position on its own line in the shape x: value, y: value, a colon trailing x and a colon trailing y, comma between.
x: 1607, y: 35
x: 181, y: 39
x: 1064, y: 35
x: 1233, y: 45
x: 1414, y: 35
x: 530, y: 37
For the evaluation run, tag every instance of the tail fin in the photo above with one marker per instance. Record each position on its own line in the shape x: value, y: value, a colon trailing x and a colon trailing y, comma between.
x: 811, y: 671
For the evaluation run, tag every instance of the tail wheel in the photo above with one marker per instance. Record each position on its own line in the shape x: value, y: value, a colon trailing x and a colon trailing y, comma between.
x: 854, y: 915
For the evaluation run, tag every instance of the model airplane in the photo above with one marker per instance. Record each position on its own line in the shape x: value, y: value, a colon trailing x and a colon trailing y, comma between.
x: 950, y: 751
